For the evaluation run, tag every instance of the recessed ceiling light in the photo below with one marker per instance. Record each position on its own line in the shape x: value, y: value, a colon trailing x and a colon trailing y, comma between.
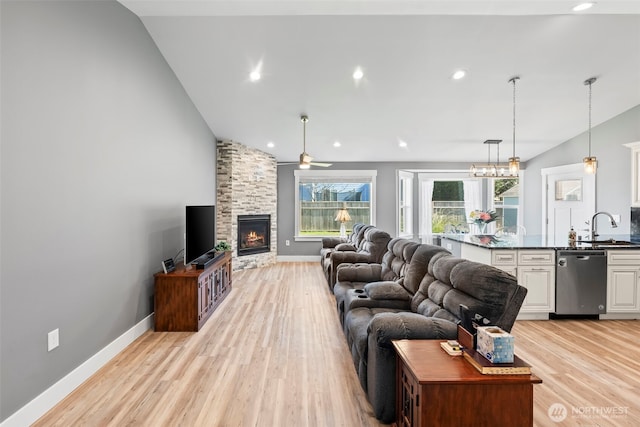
x: 358, y: 74
x: 583, y: 6
x: 337, y: 144
x: 402, y: 144
x: 270, y: 144
x: 255, y: 76
x: 458, y: 74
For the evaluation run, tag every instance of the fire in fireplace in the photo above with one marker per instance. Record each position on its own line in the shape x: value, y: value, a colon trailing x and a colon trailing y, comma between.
x: 254, y: 234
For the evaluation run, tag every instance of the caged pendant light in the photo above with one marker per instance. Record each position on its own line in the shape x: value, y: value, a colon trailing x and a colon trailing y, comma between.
x: 496, y: 169
x: 590, y: 162
x: 514, y: 161
x: 489, y: 170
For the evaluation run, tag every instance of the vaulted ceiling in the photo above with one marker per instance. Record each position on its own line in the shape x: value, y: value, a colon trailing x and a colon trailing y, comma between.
x: 307, y: 50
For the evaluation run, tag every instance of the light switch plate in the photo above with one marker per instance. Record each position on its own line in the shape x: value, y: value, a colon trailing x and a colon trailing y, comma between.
x: 53, y: 339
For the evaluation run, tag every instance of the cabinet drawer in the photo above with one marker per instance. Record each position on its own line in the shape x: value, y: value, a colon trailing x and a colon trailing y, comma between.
x: 626, y: 257
x: 503, y: 257
x: 536, y: 257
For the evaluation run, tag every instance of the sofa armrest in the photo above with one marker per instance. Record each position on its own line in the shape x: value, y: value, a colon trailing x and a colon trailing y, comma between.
x: 386, y: 327
x: 387, y: 290
x: 332, y: 242
x: 383, y: 295
x: 347, y: 247
x: 360, y: 272
x: 381, y: 357
x: 340, y: 257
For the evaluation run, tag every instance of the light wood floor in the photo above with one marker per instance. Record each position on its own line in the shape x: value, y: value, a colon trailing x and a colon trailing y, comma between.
x: 273, y: 354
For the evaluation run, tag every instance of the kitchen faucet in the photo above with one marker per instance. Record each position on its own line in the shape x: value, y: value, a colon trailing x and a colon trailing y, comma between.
x: 594, y: 227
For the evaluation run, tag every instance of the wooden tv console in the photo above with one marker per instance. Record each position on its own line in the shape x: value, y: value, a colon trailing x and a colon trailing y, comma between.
x: 185, y: 298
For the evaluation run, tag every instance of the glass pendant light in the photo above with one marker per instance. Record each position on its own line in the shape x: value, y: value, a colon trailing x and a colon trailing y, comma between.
x: 590, y: 162
x: 514, y: 161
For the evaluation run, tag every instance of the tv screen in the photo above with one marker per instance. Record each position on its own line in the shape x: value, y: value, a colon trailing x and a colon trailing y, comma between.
x: 200, y: 234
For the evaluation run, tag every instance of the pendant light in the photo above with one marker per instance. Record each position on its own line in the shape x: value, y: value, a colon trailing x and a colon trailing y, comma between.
x: 590, y: 162
x: 489, y: 170
x: 514, y: 161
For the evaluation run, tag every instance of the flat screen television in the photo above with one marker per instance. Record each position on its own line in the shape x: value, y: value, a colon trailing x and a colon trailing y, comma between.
x: 200, y: 233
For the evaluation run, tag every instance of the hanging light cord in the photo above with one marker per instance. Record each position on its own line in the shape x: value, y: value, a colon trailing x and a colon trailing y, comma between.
x: 514, y: 115
x: 513, y: 80
x: 590, y: 83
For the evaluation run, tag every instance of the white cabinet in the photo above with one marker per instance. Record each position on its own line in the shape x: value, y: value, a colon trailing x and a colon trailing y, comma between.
x: 537, y: 273
x: 506, y: 260
x: 623, y: 281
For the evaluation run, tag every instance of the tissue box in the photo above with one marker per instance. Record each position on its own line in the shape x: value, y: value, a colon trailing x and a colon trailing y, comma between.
x: 495, y: 344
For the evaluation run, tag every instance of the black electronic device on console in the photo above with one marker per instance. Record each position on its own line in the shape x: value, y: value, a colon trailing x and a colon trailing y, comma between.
x: 168, y: 265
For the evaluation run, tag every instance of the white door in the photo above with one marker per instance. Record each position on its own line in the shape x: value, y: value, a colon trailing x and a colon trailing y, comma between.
x: 569, y: 200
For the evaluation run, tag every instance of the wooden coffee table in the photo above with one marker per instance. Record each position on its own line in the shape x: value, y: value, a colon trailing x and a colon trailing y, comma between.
x: 436, y: 389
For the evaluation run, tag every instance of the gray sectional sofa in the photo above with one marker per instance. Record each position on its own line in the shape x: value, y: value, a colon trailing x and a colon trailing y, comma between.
x: 414, y: 293
x: 369, y: 245
x: 330, y: 244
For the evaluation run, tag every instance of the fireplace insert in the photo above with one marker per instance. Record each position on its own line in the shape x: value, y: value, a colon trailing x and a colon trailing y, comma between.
x: 254, y: 235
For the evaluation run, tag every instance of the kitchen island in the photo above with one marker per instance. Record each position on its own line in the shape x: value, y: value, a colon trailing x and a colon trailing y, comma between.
x: 536, y: 265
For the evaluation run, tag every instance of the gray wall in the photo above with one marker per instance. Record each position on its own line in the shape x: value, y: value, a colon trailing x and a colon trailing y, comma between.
x: 613, y: 179
x: 101, y: 149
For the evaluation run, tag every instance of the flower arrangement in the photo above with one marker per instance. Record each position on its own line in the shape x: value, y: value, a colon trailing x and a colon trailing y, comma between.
x: 483, y: 217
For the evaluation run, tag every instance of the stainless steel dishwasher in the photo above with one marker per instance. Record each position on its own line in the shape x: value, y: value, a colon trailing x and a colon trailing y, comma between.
x: 581, y: 282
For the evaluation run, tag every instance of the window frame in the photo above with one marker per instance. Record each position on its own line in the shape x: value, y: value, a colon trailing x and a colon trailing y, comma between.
x: 405, y: 193
x: 519, y: 208
x: 330, y: 176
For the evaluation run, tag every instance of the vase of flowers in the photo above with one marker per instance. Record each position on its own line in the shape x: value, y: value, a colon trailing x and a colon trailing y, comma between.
x: 482, y: 218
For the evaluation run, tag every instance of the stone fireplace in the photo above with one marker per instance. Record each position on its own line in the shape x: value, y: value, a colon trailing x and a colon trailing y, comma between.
x: 253, y: 234
x: 247, y: 188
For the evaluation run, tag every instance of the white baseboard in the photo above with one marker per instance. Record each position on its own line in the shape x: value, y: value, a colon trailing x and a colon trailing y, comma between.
x: 298, y: 258
x: 620, y: 316
x: 39, y: 406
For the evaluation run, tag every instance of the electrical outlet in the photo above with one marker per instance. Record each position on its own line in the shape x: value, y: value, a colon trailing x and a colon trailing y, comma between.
x: 287, y: 243
x: 53, y: 339
x: 616, y: 217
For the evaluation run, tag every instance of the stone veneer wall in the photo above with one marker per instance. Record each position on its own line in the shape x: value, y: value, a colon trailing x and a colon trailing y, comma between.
x: 247, y: 184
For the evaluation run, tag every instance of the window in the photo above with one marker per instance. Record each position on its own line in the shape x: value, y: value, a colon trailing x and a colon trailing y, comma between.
x: 446, y: 200
x: 448, y: 213
x: 506, y: 203
x: 320, y: 194
x: 405, y: 204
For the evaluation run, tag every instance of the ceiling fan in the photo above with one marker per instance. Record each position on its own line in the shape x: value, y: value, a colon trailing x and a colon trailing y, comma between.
x: 306, y: 161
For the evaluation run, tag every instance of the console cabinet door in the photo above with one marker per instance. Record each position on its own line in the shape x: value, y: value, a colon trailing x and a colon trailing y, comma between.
x: 204, y: 286
x: 540, y: 284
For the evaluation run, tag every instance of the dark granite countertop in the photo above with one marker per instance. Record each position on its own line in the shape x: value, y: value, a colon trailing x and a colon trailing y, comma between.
x: 537, y: 242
